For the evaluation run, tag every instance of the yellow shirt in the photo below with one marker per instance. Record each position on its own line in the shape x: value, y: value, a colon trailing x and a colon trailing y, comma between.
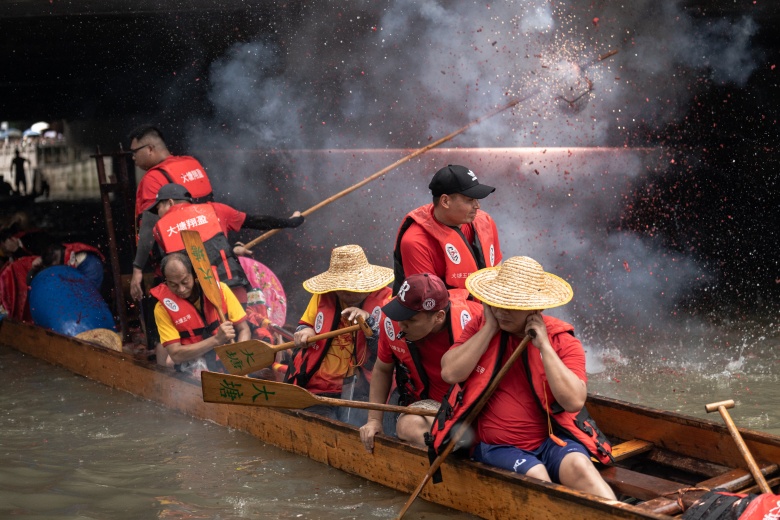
x: 167, y: 330
x: 339, y: 357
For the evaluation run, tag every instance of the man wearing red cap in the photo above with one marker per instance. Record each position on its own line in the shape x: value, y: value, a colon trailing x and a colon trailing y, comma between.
x: 419, y: 326
x: 451, y: 237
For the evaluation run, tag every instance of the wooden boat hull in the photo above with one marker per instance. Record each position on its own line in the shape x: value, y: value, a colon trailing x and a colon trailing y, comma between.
x: 471, y: 487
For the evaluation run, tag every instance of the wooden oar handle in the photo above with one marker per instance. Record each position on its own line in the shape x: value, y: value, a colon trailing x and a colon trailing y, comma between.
x: 741, y: 446
x: 713, y: 407
x: 362, y: 325
x: 409, y: 410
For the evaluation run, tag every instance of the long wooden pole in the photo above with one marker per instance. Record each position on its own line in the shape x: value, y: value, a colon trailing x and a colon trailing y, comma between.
x: 393, y: 166
x: 743, y: 449
x: 464, y: 425
x: 119, y: 297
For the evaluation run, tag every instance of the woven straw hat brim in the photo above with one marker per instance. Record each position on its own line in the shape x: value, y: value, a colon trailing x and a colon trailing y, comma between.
x: 368, y: 279
x: 486, y: 286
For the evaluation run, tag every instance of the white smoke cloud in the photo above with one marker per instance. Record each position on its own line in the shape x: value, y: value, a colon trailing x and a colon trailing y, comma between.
x: 397, y: 75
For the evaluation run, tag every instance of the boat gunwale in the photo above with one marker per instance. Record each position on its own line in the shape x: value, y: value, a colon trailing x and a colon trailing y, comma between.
x: 39, y: 343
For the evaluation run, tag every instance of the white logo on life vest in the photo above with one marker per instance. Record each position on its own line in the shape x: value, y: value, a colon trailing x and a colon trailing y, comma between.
x: 318, y: 322
x: 479, y: 370
x: 492, y: 256
x: 376, y: 313
x: 429, y: 304
x: 453, y: 253
x: 389, y: 329
x: 465, y: 317
x: 171, y: 304
x: 402, y: 291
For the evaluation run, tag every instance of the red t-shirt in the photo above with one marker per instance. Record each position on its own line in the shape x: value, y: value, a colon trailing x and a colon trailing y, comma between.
x: 230, y: 219
x: 431, y: 349
x: 512, y: 416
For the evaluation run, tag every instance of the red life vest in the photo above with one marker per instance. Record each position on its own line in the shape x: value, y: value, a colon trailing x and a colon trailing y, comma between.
x: 461, y: 258
x: 203, y: 219
x: 77, y: 247
x: 175, y: 169
x: 189, y: 322
x: 411, y: 379
x: 462, y: 399
x: 307, y: 361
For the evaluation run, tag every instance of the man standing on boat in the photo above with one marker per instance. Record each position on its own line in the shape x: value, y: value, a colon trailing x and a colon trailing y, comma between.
x: 150, y: 153
x: 535, y: 423
x: 421, y: 323
x: 451, y: 237
x: 188, y: 323
x: 340, y: 366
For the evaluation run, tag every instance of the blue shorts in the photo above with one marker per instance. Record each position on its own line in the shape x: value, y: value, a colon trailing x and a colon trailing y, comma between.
x: 520, y: 461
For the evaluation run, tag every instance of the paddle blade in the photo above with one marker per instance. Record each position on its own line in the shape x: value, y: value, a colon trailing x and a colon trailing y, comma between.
x: 229, y: 389
x: 193, y: 245
x: 246, y: 357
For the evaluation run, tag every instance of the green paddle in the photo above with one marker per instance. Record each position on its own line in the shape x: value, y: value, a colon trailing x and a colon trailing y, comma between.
x: 248, y: 356
x: 230, y: 389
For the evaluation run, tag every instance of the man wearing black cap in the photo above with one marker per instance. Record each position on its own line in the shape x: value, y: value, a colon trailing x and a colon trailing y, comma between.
x: 451, y: 237
x: 419, y: 325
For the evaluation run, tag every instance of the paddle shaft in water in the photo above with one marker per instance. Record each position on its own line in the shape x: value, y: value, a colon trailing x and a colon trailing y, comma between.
x: 248, y: 356
x: 230, y: 389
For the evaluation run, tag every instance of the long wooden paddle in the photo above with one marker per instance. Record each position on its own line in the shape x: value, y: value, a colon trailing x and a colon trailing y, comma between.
x: 743, y: 449
x: 393, y: 166
x: 247, y: 356
x: 200, y: 262
x: 464, y: 425
x: 230, y: 389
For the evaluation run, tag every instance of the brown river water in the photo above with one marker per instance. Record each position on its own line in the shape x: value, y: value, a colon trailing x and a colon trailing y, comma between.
x: 71, y: 448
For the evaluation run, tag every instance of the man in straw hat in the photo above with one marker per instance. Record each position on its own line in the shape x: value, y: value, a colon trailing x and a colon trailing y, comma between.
x: 351, y: 287
x: 420, y: 324
x: 451, y: 237
x: 535, y: 423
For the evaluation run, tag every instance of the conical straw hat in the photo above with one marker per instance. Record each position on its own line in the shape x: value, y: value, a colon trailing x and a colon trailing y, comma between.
x: 349, y: 271
x: 519, y: 283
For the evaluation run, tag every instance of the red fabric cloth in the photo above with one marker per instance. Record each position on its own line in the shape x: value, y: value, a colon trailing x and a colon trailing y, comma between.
x: 229, y: 218
x: 13, y: 288
x: 512, y: 416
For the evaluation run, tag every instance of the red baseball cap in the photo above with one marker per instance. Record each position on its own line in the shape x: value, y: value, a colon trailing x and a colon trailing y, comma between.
x: 419, y: 292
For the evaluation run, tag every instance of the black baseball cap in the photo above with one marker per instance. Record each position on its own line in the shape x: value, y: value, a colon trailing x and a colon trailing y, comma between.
x: 458, y: 179
x: 170, y: 191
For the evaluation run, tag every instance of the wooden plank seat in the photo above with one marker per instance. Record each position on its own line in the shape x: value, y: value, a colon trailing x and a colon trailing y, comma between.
x: 630, y: 448
x: 638, y: 485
